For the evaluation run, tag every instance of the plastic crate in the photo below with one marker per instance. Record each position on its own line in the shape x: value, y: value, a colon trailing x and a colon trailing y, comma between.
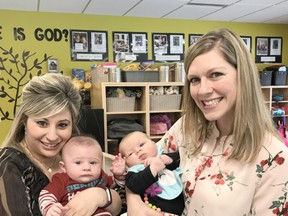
x: 125, y: 104
x: 140, y: 76
x: 266, y: 78
x: 165, y: 102
x: 279, y: 78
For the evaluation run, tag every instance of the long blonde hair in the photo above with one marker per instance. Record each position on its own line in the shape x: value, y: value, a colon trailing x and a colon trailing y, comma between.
x: 252, y: 118
x: 44, y: 96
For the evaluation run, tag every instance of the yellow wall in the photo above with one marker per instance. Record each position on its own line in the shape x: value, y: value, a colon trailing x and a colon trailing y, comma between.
x: 29, y: 21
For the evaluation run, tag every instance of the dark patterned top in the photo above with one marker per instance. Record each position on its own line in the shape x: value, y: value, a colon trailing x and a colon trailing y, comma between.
x: 20, y: 184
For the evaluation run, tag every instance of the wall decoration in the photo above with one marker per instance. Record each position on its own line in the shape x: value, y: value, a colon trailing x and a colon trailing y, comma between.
x: 89, y: 45
x: 52, y: 65
x: 129, y: 46
x: 248, y: 41
x: 268, y: 50
x: 168, y: 47
x: 275, y: 46
x: 193, y: 38
x: 16, y: 71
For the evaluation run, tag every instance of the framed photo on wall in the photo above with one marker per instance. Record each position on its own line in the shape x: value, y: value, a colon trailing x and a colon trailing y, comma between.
x: 167, y: 47
x: 129, y: 46
x: 268, y: 50
x: 52, y: 65
x: 261, y: 46
x: 275, y: 46
x: 248, y: 41
x: 193, y: 38
x: 87, y: 45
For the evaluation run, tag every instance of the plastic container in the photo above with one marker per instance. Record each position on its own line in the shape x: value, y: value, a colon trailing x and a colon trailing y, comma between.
x: 266, y: 78
x: 140, y: 76
x: 279, y: 78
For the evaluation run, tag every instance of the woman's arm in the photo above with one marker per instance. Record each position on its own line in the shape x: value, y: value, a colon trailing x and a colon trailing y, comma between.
x: 135, y: 206
x: 115, y: 206
x: 86, y: 202
x: 16, y: 182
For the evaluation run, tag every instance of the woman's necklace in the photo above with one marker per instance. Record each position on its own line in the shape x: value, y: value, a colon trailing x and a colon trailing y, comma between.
x: 48, y: 168
x: 52, y: 165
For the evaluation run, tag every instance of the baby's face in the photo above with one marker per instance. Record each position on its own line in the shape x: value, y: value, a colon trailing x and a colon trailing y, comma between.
x: 83, y: 163
x: 137, y: 148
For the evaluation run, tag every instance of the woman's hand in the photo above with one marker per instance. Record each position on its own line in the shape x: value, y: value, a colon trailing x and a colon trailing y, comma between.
x: 86, y: 202
x: 135, y: 206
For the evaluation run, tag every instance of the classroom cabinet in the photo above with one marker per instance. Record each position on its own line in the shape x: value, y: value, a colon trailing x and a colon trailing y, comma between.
x: 140, y: 109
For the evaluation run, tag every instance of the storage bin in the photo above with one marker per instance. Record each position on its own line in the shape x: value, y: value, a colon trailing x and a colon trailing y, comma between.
x: 279, y: 78
x: 165, y: 102
x: 266, y: 78
x: 140, y: 76
x: 125, y: 104
x: 99, y: 75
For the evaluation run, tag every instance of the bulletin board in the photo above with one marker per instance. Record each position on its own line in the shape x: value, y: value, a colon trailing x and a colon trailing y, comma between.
x: 89, y: 45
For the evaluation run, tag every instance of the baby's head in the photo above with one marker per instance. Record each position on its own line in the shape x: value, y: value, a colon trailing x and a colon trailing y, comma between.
x: 82, y: 158
x: 136, y: 147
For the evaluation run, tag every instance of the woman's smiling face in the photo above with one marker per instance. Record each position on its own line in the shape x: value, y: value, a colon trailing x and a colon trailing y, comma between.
x: 46, y: 136
x: 213, y: 86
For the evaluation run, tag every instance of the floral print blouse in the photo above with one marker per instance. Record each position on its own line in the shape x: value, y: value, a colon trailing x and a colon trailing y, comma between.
x: 216, y: 185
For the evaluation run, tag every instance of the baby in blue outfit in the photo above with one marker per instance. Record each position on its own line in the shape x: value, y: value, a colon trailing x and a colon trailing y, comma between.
x: 153, y: 175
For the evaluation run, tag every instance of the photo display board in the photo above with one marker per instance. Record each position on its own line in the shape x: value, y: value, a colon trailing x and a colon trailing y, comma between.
x: 268, y: 50
x: 168, y: 47
x: 89, y: 45
x: 130, y: 46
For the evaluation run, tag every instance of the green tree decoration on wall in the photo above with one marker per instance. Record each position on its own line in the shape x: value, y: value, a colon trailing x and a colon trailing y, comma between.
x: 16, y: 70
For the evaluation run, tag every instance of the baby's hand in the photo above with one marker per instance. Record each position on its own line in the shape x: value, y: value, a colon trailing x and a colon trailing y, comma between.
x: 57, y: 210
x: 156, y: 165
x: 166, y: 159
x: 148, y: 161
x: 118, y: 166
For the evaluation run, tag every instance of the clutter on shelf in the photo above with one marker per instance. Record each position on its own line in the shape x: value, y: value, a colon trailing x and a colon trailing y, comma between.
x: 119, y: 127
x: 124, y: 92
x: 82, y: 81
x: 159, y: 123
x: 164, y: 98
x: 278, y: 111
x: 274, y: 75
x: 164, y: 90
x: 122, y: 99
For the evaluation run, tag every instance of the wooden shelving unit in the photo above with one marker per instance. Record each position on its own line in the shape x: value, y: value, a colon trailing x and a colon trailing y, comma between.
x: 268, y: 92
x: 142, y: 111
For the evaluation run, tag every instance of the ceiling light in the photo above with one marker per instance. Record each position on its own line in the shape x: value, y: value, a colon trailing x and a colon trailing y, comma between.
x: 206, y: 5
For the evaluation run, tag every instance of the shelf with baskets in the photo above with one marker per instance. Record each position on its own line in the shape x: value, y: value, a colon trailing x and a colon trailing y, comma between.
x: 140, y: 109
x: 276, y: 98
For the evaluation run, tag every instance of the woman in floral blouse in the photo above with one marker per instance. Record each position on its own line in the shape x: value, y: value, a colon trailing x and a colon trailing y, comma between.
x: 233, y: 160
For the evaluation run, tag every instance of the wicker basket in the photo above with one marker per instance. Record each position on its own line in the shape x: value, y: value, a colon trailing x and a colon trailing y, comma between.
x: 99, y: 75
x: 165, y: 102
x: 125, y: 104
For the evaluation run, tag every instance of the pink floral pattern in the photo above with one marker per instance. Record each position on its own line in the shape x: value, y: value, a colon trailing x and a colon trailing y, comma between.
x: 211, y: 180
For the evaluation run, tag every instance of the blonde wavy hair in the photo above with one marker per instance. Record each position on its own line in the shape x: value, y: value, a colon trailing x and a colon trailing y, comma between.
x: 44, y: 96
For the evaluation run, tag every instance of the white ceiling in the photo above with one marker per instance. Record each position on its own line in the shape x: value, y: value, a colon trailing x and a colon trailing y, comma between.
x: 259, y: 11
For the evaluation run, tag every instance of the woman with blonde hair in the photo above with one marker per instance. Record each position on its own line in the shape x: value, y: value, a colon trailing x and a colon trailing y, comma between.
x: 233, y: 160
x: 45, y: 120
